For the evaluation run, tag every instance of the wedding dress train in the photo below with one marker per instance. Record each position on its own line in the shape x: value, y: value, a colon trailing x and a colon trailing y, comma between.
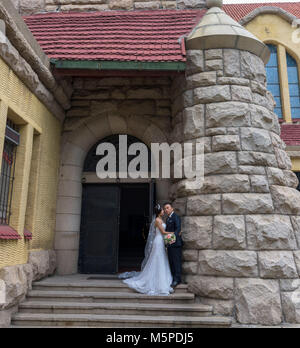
x: 155, y: 277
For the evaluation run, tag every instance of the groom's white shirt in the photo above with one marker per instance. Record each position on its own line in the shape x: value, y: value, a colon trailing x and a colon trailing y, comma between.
x: 170, y: 216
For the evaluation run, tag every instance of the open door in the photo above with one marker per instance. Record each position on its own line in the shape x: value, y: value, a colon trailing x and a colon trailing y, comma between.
x: 133, y: 225
x: 152, y: 200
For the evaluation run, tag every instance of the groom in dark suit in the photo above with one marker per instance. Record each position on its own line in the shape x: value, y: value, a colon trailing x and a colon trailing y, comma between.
x: 174, y: 250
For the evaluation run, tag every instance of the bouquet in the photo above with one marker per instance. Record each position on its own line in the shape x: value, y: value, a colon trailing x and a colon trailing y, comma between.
x: 169, y: 238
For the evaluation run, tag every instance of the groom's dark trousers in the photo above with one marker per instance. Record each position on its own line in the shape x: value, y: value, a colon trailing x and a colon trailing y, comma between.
x: 173, y: 224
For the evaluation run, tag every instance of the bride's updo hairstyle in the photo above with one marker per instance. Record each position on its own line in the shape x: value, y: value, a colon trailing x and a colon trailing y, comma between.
x: 157, y: 209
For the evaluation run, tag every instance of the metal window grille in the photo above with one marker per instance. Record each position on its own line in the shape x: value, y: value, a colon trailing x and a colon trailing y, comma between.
x: 12, y: 138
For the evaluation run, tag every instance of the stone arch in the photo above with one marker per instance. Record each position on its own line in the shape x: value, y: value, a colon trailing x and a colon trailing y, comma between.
x: 274, y: 16
x: 268, y: 10
x: 75, y: 146
x: 294, y: 55
x: 290, y: 50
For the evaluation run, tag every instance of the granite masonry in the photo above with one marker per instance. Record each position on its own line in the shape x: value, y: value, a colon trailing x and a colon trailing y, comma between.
x: 26, y: 7
x: 18, y: 281
x: 242, y: 227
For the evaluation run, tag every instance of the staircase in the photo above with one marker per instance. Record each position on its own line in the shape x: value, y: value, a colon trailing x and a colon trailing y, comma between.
x: 59, y: 302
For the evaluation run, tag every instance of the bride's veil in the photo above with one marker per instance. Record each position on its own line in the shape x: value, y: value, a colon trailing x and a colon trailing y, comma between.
x: 149, y: 243
x: 148, y: 249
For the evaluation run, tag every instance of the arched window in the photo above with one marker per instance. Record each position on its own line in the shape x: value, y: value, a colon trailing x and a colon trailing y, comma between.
x: 292, y: 69
x: 273, y: 83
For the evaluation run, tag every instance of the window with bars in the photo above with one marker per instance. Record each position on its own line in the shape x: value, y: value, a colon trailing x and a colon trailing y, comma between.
x: 12, y: 138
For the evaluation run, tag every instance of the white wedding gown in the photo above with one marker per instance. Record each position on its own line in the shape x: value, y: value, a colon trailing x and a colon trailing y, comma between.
x: 156, y: 277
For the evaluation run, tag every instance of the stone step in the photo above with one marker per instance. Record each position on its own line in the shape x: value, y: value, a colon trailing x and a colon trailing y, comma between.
x: 114, y: 285
x: 118, y: 321
x: 43, y: 327
x: 100, y: 297
x: 189, y: 310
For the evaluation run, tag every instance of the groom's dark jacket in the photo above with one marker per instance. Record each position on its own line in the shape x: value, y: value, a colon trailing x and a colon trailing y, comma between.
x: 173, y: 224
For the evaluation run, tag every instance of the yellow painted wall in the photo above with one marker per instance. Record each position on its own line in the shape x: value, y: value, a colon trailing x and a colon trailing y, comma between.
x: 271, y: 28
x: 296, y: 164
x: 274, y: 29
x: 37, y: 167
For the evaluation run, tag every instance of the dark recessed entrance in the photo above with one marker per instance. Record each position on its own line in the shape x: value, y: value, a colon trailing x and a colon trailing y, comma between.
x: 134, y: 218
x: 114, y: 226
x: 115, y: 218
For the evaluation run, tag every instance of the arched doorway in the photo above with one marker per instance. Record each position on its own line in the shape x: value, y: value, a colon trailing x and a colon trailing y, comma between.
x: 75, y: 147
x: 115, y: 216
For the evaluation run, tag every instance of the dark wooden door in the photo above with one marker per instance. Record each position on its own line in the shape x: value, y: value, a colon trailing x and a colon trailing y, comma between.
x: 99, y: 231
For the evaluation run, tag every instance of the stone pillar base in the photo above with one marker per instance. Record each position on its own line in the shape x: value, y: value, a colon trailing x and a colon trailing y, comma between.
x: 18, y: 281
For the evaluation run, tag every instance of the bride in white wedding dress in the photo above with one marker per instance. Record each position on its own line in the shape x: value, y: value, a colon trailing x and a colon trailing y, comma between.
x: 155, y: 277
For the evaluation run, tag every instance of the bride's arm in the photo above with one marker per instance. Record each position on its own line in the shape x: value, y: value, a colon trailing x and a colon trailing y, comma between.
x: 159, y: 225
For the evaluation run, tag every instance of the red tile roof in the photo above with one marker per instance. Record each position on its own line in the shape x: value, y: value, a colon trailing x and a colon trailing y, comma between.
x: 239, y: 11
x: 290, y: 134
x: 149, y: 36
x: 27, y: 234
x: 7, y: 232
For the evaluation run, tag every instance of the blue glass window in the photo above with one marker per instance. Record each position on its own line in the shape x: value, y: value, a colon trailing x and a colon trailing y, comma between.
x: 293, y: 86
x: 273, y: 83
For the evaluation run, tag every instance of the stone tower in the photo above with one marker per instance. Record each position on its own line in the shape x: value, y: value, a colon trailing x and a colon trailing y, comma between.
x: 242, y: 227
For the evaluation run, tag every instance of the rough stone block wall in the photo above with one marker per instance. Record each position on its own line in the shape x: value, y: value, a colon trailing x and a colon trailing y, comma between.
x: 26, y: 7
x: 145, y: 98
x: 18, y: 281
x: 138, y: 106
x: 242, y: 227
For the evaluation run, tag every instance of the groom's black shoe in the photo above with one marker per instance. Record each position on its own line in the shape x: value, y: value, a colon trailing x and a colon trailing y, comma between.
x: 175, y: 283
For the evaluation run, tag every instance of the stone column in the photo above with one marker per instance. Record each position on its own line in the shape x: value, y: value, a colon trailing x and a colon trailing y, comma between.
x: 3, y: 120
x: 242, y: 227
x: 284, y: 84
x: 33, y: 190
